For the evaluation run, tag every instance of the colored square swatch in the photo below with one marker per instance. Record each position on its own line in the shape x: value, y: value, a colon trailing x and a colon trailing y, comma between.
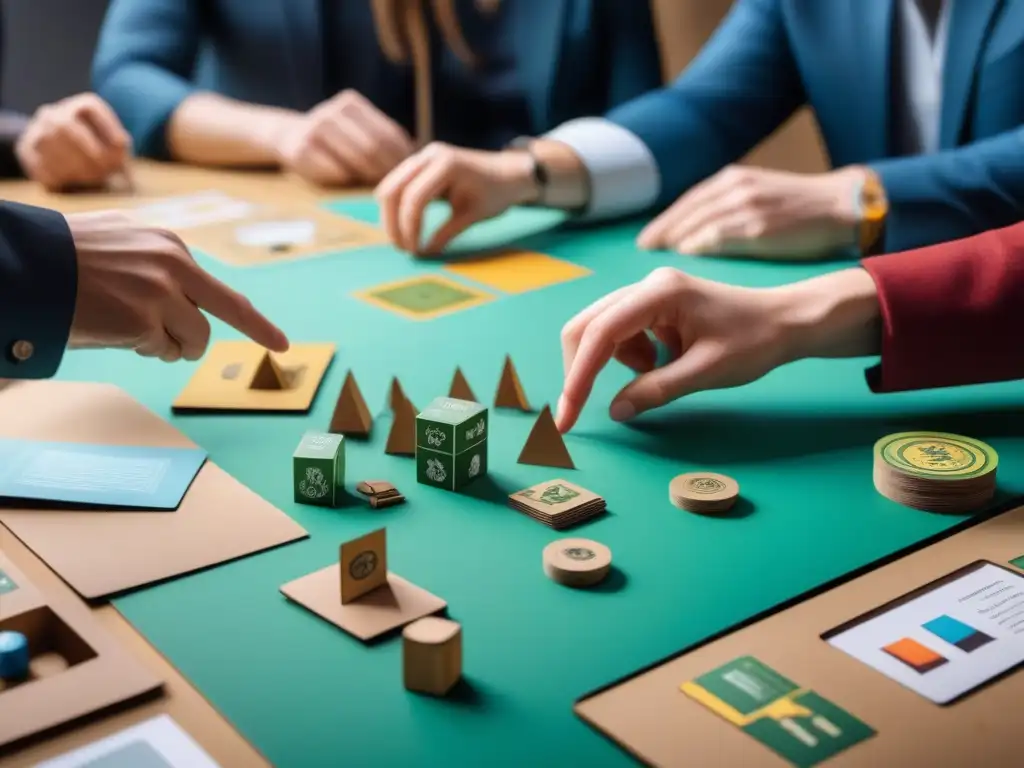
x: 955, y: 632
x: 423, y: 298
x: 915, y: 655
x: 6, y: 583
x: 134, y: 754
x: 517, y: 271
x: 1018, y: 562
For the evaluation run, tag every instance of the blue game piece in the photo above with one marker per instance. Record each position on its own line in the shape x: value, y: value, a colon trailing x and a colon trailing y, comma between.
x: 13, y: 656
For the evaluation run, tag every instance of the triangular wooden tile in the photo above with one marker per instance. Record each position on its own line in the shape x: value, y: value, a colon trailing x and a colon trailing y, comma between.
x: 351, y: 416
x: 269, y: 375
x: 510, y: 390
x: 460, y: 388
x: 396, y: 395
x: 402, y: 437
x: 545, y: 447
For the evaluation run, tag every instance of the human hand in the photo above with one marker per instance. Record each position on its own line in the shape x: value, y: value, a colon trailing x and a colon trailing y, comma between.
x: 755, y: 212
x: 477, y: 185
x: 345, y: 140
x: 717, y: 335
x: 139, y: 288
x: 75, y: 143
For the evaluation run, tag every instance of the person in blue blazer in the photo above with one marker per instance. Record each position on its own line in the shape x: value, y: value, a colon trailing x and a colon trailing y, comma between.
x: 341, y: 91
x: 920, y: 104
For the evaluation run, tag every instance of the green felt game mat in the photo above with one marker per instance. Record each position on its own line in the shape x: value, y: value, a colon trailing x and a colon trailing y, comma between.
x: 799, y: 442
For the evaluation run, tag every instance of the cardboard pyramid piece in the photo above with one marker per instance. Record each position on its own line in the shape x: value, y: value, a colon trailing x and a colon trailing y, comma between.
x: 460, y: 388
x: 510, y: 390
x: 545, y: 447
x: 396, y: 394
x: 351, y: 416
x: 269, y: 375
x: 402, y: 437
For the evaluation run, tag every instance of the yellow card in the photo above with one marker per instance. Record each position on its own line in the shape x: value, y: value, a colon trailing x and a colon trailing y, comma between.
x: 224, y: 378
x: 517, y: 271
x: 423, y: 298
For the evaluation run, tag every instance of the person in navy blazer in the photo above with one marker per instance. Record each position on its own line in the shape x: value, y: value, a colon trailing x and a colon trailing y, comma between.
x: 313, y: 86
x: 921, y: 108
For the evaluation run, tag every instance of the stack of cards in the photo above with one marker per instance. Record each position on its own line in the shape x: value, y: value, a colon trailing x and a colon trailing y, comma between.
x: 703, y: 492
x: 577, y: 562
x: 558, y: 503
x: 381, y: 492
x: 935, y: 471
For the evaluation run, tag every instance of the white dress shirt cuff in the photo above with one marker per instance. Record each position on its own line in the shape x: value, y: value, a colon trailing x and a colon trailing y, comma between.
x: 624, y: 177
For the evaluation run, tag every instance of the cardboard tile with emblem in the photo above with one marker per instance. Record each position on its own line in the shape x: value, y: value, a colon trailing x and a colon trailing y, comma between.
x: 359, y: 595
x: 243, y: 376
x: 74, y: 668
x: 545, y: 447
x: 558, y: 503
x: 100, y: 551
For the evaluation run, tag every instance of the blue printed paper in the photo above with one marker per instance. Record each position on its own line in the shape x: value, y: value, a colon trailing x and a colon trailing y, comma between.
x: 135, y: 477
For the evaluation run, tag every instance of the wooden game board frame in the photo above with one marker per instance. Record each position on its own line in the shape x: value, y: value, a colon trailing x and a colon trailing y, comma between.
x: 647, y: 715
x: 109, y: 677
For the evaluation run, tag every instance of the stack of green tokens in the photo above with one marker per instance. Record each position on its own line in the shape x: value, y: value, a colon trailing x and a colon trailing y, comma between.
x: 936, y: 471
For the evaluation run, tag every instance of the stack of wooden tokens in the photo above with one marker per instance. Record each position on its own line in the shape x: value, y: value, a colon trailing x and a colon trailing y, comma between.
x: 381, y: 492
x: 703, y: 492
x: 935, y: 471
x: 577, y: 562
x: 558, y: 503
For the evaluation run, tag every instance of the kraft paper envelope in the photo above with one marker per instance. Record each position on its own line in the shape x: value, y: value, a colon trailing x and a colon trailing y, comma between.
x: 100, y: 553
x: 77, y: 669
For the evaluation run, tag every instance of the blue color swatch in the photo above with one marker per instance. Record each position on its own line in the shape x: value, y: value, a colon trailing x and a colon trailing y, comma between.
x: 955, y: 632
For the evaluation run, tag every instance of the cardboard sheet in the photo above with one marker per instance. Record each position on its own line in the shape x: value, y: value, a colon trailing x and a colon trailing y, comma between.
x: 76, y: 668
x: 223, y: 381
x: 650, y: 716
x: 98, y: 553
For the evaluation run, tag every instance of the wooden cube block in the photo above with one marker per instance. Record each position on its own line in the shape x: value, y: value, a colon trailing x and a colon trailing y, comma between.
x: 318, y: 465
x: 432, y: 655
x: 451, y: 443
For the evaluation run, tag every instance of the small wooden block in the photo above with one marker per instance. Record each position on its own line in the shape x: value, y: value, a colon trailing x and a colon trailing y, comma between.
x: 375, y: 487
x: 402, y: 437
x: 460, y: 388
x: 379, y: 502
x: 269, y: 375
x: 395, y: 604
x: 432, y: 655
x: 363, y: 565
x: 510, y: 390
x: 351, y: 416
x: 545, y: 446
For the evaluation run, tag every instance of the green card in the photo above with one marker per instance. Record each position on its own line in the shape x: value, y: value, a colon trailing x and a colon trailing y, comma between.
x: 1017, y: 562
x: 422, y: 298
x: 6, y: 583
x: 798, y: 724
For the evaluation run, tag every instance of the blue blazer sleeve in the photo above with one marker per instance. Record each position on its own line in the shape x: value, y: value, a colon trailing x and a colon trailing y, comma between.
x: 145, y: 57
x: 38, y: 286
x: 741, y: 86
x: 634, y: 67
x: 955, y: 193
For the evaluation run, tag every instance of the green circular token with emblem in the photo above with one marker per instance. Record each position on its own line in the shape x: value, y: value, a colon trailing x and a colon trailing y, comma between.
x: 937, y: 455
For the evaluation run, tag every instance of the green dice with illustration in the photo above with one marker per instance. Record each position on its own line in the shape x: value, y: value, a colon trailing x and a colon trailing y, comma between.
x: 319, y: 469
x: 451, y: 443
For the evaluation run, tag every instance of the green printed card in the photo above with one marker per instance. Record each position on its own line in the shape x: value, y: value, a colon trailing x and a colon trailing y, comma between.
x: 796, y: 723
x: 1018, y: 562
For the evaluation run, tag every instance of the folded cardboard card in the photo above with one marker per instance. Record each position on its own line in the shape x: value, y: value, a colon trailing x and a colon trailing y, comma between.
x: 138, y: 477
x: 98, y: 553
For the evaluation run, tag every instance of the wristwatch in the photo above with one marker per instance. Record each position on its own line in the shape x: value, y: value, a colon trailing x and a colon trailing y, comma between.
x: 873, y: 206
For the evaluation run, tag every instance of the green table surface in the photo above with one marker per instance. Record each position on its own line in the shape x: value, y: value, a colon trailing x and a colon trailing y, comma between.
x: 799, y: 442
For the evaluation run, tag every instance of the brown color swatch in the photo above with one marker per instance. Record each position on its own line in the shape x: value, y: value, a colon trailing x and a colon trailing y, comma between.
x: 393, y: 605
x: 76, y: 670
x: 396, y: 394
x: 510, y: 390
x: 351, y: 416
x: 460, y: 388
x: 99, y: 553
x: 545, y: 447
x: 269, y: 375
x: 402, y: 437
x: 363, y: 565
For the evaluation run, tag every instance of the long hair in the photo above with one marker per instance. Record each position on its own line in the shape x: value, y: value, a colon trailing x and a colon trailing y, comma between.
x: 404, y: 37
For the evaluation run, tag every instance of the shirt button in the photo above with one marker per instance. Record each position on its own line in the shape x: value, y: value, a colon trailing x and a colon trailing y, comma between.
x: 22, y: 350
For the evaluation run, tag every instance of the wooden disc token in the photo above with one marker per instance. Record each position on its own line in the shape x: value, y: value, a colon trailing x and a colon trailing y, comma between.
x: 577, y: 562
x: 703, y: 492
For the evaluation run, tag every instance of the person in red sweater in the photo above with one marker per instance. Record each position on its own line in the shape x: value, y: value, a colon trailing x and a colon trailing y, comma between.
x: 940, y: 316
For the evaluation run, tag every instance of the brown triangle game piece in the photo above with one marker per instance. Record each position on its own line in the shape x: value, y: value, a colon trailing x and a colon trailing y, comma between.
x: 351, y: 416
x: 510, y: 389
x: 545, y: 447
x: 402, y: 437
x: 269, y: 375
x: 396, y: 395
x: 460, y: 388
